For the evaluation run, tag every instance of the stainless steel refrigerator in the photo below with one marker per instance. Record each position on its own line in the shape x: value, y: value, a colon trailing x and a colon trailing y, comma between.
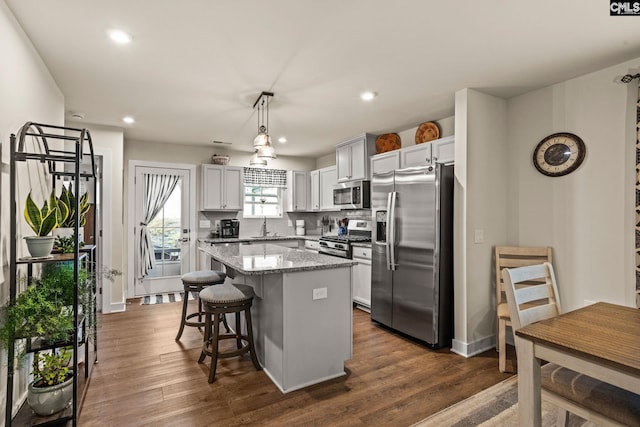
x: 412, y: 252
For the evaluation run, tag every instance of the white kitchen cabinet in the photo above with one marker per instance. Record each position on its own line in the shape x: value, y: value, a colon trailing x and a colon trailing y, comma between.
x: 327, y: 180
x: 439, y: 151
x: 385, y: 162
x: 352, y: 157
x: 415, y: 155
x: 443, y: 150
x: 314, y: 190
x: 311, y: 246
x: 221, y: 188
x: 361, y: 277
x: 297, y: 191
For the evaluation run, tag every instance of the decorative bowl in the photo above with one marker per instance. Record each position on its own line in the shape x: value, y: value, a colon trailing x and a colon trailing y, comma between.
x: 220, y: 159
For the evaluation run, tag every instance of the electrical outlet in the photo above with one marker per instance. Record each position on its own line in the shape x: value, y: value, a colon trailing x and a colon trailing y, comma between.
x: 205, y: 223
x: 319, y: 293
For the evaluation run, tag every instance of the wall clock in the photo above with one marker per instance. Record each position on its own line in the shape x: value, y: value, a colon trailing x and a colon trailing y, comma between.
x: 559, y: 154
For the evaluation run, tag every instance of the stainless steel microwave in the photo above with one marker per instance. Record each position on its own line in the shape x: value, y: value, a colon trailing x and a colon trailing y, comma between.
x: 352, y: 195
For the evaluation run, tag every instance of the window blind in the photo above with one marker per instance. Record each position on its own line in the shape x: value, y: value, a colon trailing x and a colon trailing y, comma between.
x: 258, y: 177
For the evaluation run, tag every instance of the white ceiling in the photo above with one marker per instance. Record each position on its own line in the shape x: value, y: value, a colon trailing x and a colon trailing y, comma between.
x: 195, y: 67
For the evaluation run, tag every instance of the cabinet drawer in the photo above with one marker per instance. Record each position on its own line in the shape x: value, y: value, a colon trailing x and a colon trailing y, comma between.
x: 359, y: 252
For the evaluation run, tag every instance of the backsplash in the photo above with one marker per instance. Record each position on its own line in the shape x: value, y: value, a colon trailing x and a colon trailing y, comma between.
x: 250, y: 227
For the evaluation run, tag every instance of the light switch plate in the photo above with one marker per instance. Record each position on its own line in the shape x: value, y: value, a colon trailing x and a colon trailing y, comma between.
x: 205, y: 223
x: 478, y: 236
x: 319, y: 293
x: 289, y: 223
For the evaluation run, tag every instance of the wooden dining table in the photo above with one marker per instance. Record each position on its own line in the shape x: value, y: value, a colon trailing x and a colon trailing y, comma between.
x: 600, y: 340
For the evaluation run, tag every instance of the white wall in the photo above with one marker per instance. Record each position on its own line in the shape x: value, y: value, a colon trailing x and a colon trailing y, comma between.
x: 587, y: 216
x: 480, y: 205
x: 29, y: 93
x: 108, y: 142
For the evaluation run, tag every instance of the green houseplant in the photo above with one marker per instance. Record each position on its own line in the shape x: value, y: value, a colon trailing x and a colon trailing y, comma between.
x: 43, y: 221
x: 68, y: 199
x: 52, y: 386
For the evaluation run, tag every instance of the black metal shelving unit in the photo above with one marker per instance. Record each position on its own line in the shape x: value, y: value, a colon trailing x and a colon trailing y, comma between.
x: 65, y: 164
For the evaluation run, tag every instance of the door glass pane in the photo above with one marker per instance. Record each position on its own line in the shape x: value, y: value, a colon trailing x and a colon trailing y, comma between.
x: 165, y: 231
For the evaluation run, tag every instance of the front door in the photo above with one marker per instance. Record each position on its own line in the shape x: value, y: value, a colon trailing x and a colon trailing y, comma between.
x: 169, y: 232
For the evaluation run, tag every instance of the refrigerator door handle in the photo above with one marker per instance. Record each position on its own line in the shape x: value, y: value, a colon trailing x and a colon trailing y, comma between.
x: 388, y: 230
x: 391, y: 231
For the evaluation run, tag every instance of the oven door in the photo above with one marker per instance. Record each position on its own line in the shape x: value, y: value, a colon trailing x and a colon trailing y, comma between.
x: 333, y: 252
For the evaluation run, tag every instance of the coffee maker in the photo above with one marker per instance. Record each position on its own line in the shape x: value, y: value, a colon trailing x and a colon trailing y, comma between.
x: 229, y: 228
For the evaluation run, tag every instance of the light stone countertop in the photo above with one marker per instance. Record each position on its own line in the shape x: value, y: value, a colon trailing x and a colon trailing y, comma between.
x: 258, y: 258
x: 256, y: 239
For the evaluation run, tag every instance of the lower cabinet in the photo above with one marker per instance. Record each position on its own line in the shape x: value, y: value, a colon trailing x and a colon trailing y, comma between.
x: 361, y: 278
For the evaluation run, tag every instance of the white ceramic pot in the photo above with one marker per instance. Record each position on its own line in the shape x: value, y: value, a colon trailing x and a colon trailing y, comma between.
x: 39, y: 246
x: 49, y: 400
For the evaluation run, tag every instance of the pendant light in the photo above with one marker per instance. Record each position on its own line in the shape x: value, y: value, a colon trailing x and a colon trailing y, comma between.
x: 262, y: 142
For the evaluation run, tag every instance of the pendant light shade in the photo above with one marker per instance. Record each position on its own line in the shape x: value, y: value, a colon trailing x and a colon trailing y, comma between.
x: 262, y: 142
x: 257, y: 162
x: 267, y: 151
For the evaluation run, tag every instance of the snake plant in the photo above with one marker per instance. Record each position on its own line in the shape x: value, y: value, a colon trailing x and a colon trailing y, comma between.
x: 43, y: 220
x: 69, y: 200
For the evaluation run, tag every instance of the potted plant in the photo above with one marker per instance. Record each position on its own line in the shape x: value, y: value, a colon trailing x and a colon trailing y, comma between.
x: 52, y: 387
x: 39, y: 311
x: 68, y: 199
x: 42, y: 221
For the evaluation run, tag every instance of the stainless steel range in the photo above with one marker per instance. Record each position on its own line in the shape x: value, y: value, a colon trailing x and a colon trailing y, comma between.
x: 358, y: 230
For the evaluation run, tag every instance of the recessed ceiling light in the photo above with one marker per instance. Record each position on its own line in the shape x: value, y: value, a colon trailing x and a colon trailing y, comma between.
x: 119, y: 36
x: 128, y: 120
x: 282, y: 140
x: 368, y: 95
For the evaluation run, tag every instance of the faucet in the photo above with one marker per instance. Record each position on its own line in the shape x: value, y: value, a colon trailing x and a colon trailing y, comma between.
x: 263, y: 229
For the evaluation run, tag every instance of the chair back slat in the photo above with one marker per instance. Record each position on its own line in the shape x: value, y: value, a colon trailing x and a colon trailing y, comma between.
x: 533, y: 293
x: 538, y: 313
x: 513, y: 257
x: 547, y: 302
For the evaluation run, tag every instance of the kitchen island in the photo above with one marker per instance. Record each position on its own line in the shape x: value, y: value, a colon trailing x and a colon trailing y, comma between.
x: 302, y: 311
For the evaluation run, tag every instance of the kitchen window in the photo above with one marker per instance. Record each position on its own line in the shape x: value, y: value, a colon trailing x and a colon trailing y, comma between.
x: 262, y: 201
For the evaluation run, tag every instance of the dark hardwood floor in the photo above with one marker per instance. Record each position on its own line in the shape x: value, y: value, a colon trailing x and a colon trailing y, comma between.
x: 145, y: 378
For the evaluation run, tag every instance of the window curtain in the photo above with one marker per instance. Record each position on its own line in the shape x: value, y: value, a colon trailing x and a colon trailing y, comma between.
x: 157, y: 189
x: 257, y: 177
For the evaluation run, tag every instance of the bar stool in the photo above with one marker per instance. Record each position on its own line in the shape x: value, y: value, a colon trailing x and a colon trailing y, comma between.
x: 196, y: 281
x: 217, y: 301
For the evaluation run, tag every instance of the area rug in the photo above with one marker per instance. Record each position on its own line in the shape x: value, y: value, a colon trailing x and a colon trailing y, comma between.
x: 166, y: 298
x: 496, y: 406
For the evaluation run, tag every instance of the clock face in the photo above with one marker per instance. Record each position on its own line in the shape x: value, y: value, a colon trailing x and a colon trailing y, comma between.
x: 559, y: 154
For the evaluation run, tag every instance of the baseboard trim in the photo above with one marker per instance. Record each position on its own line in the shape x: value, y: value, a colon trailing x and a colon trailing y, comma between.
x: 473, y: 348
x: 117, y: 307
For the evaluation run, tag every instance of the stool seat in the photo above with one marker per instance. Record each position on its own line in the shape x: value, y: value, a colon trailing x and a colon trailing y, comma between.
x: 217, y: 301
x: 196, y: 281
x: 226, y: 293
x: 203, y: 277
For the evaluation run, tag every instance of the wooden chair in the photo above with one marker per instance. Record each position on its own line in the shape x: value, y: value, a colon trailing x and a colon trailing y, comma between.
x: 511, y: 257
x: 591, y: 399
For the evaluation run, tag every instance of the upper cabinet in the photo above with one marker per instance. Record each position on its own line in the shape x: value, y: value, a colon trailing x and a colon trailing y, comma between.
x: 221, y: 188
x: 297, y: 191
x: 443, y: 150
x: 352, y: 157
x: 327, y: 180
x: 314, y: 190
x: 438, y: 151
x: 385, y: 162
